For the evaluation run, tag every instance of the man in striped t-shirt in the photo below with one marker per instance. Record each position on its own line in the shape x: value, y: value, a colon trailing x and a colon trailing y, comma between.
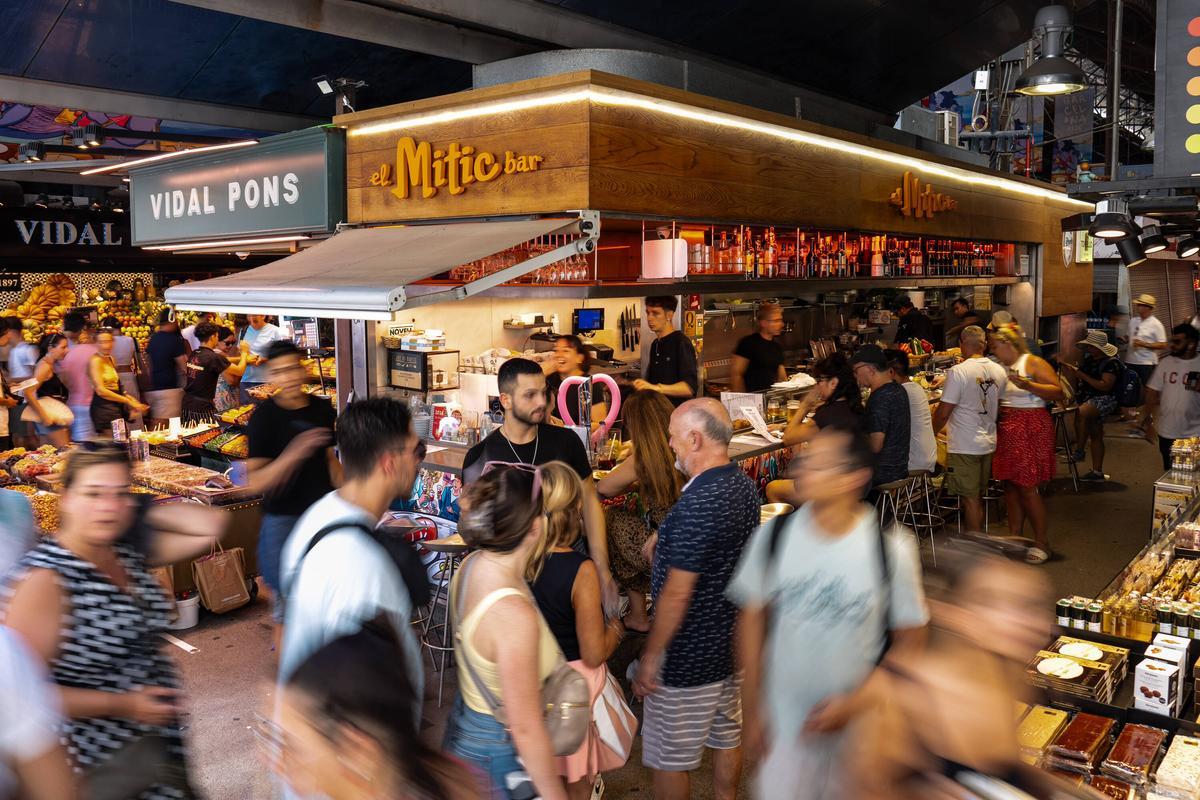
x: 692, y: 697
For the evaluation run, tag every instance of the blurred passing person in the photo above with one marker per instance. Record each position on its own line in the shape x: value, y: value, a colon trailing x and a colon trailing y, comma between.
x: 89, y: 607
x: 822, y: 593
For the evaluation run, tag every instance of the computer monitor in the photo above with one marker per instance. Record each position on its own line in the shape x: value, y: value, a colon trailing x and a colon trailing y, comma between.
x: 586, y: 320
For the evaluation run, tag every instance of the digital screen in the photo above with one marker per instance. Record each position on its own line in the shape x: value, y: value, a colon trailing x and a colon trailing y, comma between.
x: 588, y: 319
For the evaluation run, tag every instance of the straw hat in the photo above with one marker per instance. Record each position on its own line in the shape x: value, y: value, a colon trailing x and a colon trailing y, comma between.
x: 1000, y: 319
x: 1099, y: 340
x: 1145, y: 300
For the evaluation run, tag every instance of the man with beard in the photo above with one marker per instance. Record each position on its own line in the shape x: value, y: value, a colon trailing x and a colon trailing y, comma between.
x: 526, y: 438
x: 1173, y: 392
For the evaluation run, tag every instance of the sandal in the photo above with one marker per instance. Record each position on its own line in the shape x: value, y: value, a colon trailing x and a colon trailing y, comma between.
x: 1036, y: 556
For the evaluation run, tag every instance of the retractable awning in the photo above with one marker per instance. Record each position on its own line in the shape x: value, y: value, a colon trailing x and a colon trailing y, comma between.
x: 362, y: 273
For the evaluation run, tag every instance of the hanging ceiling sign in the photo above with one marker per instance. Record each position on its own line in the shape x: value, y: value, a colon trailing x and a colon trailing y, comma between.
x: 1177, y: 90
x: 420, y: 170
x: 32, y: 232
x: 291, y: 183
x: 918, y: 201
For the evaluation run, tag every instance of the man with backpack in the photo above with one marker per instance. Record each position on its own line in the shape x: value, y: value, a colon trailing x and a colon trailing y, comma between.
x: 1099, y: 379
x: 337, y: 572
x: 824, y: 595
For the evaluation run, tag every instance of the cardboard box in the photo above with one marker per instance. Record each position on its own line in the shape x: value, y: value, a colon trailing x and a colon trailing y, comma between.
x: 1157, y: 687
x: 1169, y: 655
x: 1176, y: 642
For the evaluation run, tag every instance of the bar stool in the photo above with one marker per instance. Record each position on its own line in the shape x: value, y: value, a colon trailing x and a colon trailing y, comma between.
x: 889, y: 497
x: 920, y: 490
x: 436, y: 635
x: 1063, y: 431
x: 993, y: 494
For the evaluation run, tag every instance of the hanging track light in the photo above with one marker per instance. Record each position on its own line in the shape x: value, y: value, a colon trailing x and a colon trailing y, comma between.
x: 1113, y: 221
x: 1188, y: 246
x: 1131, y: 251
x: 1051, y: 73
x: 1153, y: 240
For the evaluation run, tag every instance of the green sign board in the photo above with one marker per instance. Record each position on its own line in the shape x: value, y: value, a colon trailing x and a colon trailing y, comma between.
x: 288, y: 184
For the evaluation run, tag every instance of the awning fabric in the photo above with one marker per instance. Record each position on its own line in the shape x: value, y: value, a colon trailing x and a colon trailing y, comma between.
x: 359, y: 273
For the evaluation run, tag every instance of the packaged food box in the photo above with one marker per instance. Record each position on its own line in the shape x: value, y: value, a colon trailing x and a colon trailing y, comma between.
x: 1157, y: 687
x: 1039, y: 728
x: 1171, y: 655
x: 1074, y: 676
x: 1134, y: 754
x: 1177, y: 642
x: 1179, y: 773
x: 1083, y: 743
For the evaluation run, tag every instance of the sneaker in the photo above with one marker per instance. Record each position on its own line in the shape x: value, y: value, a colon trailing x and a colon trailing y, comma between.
x: 1136, y: 433
x: 1078, y: 455
x: 1094, y: 477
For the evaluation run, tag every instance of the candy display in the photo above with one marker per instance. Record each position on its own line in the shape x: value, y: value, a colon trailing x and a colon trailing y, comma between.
x: 1037, y: 730
x: 1111, y: 787
x: 238, y: 446
x: 1082, y: 744
x: 1179, y: 773
x: 1072, y: 675
x: 1132, y: 758
x: 22, y: 488
x: 233, y: 415
x: 217, y: 442
x: 200, y: 439
x: 45, y: 510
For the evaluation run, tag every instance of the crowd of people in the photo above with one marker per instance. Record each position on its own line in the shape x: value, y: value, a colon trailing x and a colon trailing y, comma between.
x: 789, y: 653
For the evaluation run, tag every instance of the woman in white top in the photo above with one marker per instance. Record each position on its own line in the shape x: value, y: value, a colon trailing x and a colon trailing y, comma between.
x: 1024, y: 457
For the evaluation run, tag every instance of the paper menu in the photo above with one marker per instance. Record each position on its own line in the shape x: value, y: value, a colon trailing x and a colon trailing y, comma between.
x: 734, y: 401
x: 758, y: 424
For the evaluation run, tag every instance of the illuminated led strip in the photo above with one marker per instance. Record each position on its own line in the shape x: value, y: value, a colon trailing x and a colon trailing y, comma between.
x: 615, y: 97
x: 173, y: 154
x: 226, y: 243
x: 1192, y: 142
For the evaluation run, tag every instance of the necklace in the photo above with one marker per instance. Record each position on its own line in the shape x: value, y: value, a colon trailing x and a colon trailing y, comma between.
x: 533, y: 461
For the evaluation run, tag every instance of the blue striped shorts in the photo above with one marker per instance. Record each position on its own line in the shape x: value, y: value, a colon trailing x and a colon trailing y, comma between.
x: 680, y: 722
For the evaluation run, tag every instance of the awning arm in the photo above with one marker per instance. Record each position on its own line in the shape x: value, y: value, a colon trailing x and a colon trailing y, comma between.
x: 589, y: 227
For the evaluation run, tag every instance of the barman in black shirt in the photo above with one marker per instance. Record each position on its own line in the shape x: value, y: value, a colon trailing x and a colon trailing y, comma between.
x: 526, y: 438
x: 672, y: 368
x: 913, y: 322
x: 758, y: 359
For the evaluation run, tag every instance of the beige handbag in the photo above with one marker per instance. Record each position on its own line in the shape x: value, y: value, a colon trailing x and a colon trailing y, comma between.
x: 566, y: 698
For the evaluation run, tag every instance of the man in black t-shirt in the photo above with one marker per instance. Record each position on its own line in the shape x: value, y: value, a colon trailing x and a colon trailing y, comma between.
x: 291, y: 461
x: 913, y: 323
x: 526, y: 438
x: 202, y: 371
x: 758, y: 359
x: 672, y: 368
x: 888, y: 417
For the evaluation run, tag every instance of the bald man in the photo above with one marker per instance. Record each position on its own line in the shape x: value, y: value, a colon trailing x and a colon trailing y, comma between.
x: 686, y: 676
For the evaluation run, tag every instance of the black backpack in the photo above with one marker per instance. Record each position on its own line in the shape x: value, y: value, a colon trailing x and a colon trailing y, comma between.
x: 404, y: 555
x: 1128, y: 389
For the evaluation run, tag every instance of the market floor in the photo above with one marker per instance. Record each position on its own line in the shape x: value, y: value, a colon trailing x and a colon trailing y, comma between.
x: 230, y: 677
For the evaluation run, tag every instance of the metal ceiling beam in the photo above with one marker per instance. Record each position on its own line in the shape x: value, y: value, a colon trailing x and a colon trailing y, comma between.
x: 537, y: 21
x: 370, y: 23
x: 110, y: 101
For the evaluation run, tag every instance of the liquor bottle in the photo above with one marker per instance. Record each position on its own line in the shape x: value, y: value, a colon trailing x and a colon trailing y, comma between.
x: 802, y: 257
x: 903, y: 267
x: 723, y: 253
x: 735, y: 255
x: 748, y: 255
x: 916, y: 258
x: 770, y: 255
x: 876, y: 257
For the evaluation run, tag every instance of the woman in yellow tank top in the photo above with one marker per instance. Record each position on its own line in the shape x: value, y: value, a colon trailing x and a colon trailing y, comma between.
x: 502, y: 638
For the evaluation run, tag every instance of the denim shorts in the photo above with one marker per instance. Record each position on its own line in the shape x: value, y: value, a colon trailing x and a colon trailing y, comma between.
x: 483, y: 743
x: 46, y: 430
x: 273, y: 534
x: 1105, y: 404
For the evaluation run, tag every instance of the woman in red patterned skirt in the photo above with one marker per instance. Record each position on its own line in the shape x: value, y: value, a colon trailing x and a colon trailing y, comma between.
x: 1024, y: 457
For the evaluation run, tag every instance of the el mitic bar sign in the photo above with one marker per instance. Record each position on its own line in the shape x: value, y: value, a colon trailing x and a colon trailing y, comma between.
x: 291, y: 183
x: 1177, y: 89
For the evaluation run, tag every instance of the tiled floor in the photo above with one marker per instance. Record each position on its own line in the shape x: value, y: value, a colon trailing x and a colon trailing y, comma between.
x: 1095, y: 531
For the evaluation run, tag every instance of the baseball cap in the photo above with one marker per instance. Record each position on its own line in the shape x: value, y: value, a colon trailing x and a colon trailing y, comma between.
x: 870, y: 354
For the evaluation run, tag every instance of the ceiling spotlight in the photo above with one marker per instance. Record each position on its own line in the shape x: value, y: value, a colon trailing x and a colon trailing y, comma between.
x: 1131, y: 251
x: 79, y: 138
x: 324, y: 84
x: 1051, y: 73
x: 31, y: 151
x: 43, y: 201
x: 1188, y: 246
x: 1113, y: 221
x: 93, y: 135
x: 1153, y: 240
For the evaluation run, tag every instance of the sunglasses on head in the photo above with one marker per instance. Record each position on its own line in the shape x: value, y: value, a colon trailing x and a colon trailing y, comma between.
x: 536, y: 471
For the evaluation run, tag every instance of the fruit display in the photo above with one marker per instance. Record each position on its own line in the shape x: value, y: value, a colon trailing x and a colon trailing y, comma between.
x: 22, y: 488
x: 200, y: 439
x: 318, y: 368
x: 238, y: 416
x: 238, y: 447
x: 217, y: 442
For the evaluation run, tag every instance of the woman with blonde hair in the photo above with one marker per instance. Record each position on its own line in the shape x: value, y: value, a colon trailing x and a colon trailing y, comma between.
x: 651, y: 469
x: 1024, y: 457
x: 566, y: 587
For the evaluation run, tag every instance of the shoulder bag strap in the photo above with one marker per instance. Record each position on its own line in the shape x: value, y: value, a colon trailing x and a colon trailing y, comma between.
x: 460, y: 600
x: 887, y: 592
x: 316, y: 539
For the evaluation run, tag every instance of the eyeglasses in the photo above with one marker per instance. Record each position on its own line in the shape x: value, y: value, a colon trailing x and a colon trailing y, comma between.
x: 533, y: 469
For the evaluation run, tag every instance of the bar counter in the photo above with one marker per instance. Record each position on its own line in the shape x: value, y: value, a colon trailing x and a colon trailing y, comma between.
x: 450, y: 458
